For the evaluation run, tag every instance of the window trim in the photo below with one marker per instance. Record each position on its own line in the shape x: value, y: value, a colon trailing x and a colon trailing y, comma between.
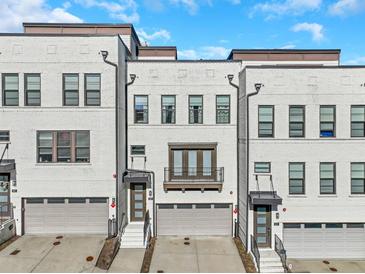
x: 352, y: 193
x: 304, y: 170
x: 26, y: 90
x: 196, y: 95
x: 64, y: 75
x: 134, y: 109
x: 273, y: 121
x: 334, y: 121
x: 304, y: 121
x: 3, y: 89
x: 168, y: 95
x: 356, y: 106
x: 86, y: 90
x: 334, y: 178
x: 229, y: 109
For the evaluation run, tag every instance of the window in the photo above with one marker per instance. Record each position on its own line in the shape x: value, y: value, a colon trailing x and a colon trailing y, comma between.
x: 312, y: 225
x: 327, y: 121
x: 76, y: 200
x: 266, y: 121
x: 292, y: 225
x: 296, y: 121
x: 357, y: 178
x: 192, y: 162
x: 4, y: 136
x: 10, y: 90
x: 262, y: 167
x: 138, y: 150
x: 32, y: 84
x: 56, y: 201
x: 223, y: 109
x: 70, y: 89
x: 63, y: 146
x: 195, y: 109
x: 327, y: 178
x: 141, y: 109
x: 296, y: 178
x: 168, y: 109
x: 98, y: 200
x: 334, y: 225
x: 92, y: 89
x: 355, y: 225
x: 357, y: 121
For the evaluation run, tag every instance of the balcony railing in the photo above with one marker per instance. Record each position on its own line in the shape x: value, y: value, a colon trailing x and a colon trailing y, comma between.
x: 179, y: 174
x: 6, y: 212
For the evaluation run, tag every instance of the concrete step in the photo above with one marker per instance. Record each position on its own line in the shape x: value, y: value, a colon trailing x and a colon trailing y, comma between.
x: 133, y: 233
x: 272, y: 269
x: 129, y: 238
x: 270, y: 263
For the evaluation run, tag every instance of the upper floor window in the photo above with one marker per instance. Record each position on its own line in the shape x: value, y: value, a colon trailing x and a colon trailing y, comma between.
x: 168, y: 109
x: 10, y: 89
x: 296, y: 121
x: 138, y: 150
x: 266, y: 121
x: 327, y: 121
x: 262, y: 167
x: 223, y: 109
x: 327, y: 172
x: 357, y: 121
x: 141, y: 109
x: 63, y: 146
x: 4, y: 136
x: 296, y: 178
x: 195, y: 109
x: 70, y: 89
x: 32, y: 83
x: 92, y: 89
x: 357, y: 178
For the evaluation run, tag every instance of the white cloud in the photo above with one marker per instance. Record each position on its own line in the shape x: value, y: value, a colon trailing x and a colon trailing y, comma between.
x: 191, y: 5
x: 207, y: 52
x: 235, y: 2
x: 154, y: 5
x: 223, y: 41
x: 288, y: 46
x: 277, y: 8
x: 157, y: 35
x: 14, y: 13
x: 345, y: 7
x: 124, y: 10
x: 356, y: 61
x: 316, y: 30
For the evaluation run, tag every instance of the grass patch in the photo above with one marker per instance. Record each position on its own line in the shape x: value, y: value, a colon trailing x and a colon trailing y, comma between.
x: 148, y: 256
x: 246, y: 258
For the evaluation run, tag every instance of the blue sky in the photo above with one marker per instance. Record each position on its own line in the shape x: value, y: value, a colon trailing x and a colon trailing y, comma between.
x: 211, y: 28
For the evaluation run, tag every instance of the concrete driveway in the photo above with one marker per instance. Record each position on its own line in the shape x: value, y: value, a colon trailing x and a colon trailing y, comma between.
x: 314, y: 266
x: 202, y: 254
x: 39, y: 254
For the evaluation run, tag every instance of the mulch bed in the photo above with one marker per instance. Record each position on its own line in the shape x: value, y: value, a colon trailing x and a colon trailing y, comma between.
x: 148, y: 256
x: 8, y: 242
x: 246, y: 258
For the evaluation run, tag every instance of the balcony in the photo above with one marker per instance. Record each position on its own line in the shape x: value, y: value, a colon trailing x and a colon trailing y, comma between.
x: 193, y: 178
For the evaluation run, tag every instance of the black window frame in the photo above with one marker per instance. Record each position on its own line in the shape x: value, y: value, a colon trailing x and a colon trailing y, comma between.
x: 64, y: 75
x: 4, y: 91
x: 6, y: 133
x: 138, y: 154
x: 26, y: 91
x: 272, y: 135
x: 226, y: 109
x: 266, y: 172
x: 165, y: 111
x: 145, y: 111
x: 291, y: 135
x: 192, y: 111
x: 322, y: 135
x: 87, y: 92
x: 303, y: 179
x: 357, y: 122
x: 363, y: 179
x: 333, y: 179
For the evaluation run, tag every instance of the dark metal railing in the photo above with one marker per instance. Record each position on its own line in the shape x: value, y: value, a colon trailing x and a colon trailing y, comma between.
x: 211, y: 174
x: 255, y: 251
x: 147, y: 227
x: 280, y: 250
x: 6, y: 212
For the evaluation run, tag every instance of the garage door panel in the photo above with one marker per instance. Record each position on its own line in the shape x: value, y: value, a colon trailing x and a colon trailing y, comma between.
x: 75, y: 217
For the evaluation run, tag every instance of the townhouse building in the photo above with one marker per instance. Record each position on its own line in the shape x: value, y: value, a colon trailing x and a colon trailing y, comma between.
x: 266, y: 145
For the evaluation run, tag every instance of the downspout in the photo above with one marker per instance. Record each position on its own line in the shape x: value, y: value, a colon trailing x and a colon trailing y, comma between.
x: 105, y: 54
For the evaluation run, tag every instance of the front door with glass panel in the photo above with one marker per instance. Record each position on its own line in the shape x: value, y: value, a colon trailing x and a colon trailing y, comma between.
x: 262, y: 225
x: 138, y: 202
x: 4, y: 194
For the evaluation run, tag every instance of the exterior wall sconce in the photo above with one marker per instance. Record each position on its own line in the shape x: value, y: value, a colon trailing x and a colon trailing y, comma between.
x: 258, y: 86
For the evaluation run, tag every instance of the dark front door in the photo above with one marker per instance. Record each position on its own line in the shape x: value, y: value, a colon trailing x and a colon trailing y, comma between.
x: 262, y: 222
x: 4, y: 194
x: 138, y: 202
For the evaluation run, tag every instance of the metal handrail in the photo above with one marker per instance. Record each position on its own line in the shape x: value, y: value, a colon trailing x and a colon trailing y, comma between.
x: 146, y: 225
x: 255, y: 251
x: 208, y: 174
x: 280, y: 250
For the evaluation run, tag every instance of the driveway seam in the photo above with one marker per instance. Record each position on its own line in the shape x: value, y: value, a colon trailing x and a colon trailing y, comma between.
x: 49, y: 251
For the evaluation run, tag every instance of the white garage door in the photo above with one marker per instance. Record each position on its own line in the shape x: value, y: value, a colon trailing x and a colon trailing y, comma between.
x: 66, y: 215
x: 194, y: 219
x: 314, y: 240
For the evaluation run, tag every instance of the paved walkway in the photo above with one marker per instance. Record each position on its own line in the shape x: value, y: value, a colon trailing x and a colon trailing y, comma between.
x: 203, y: 254
x: 313, y: 266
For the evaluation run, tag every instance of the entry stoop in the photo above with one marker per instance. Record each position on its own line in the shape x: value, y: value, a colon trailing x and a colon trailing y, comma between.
x: 270, y: 261
x: 133, y: 236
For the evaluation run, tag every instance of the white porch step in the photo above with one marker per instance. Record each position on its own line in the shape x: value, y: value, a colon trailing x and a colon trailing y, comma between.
x: 133, y: 236
x: 272, y: 269
x: 270, y: 261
